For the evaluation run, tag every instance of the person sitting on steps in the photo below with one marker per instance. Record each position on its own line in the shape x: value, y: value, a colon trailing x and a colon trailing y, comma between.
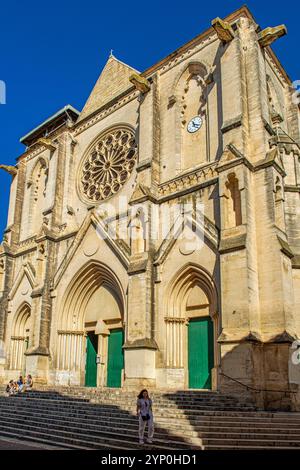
x: 10, y: 388
x: 28, y: 383
x: 145, y: 414
x: 20, y: 384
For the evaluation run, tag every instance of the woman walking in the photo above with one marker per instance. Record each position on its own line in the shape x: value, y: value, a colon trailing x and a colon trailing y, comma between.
x: 144, y: 412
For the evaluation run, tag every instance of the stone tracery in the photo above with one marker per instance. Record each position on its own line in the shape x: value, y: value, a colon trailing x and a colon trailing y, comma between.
x: 108, y: 164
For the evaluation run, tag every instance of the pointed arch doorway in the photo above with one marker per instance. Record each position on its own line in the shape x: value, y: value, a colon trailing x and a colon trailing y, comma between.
x: 92, y: 313
x: 20, y: 339
x: 191, y: 328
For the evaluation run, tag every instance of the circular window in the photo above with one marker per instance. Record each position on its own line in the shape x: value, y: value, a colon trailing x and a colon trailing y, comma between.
x: 108, y: 164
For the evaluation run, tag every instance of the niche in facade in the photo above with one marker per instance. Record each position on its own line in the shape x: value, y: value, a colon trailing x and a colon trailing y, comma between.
x: 233, y: 202
x: 191, y: 93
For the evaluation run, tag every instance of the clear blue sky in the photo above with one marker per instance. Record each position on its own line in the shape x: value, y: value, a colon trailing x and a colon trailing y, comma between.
x: 52, y: 53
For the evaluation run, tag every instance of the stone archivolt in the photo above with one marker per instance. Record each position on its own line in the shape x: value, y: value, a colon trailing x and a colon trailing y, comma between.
x: 108, y: 164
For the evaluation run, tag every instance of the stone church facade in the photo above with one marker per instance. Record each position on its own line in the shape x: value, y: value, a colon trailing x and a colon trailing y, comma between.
x: 153, y: 239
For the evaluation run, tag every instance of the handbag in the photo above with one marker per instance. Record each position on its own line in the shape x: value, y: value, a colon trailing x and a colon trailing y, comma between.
x: 146, y: 417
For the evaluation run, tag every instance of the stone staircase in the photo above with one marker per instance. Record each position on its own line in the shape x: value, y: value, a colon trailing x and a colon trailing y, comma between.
x: 87, y: 418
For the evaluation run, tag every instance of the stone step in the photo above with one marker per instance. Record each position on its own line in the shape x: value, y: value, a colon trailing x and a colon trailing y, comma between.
x: 252, y: 448
x: 112, y: 393
x: 249, y: 443
x: 185, y: 424
x: 101, y: 427
x: 255, y: 435
x: 124, y: 399
x: 169, y: 406
x: 168, y: 409
x: 49, y: 439
x: 178, y: 413
x: 13, y: 435
x: 132, y: 425
x: 127, y: 418
x: 191, y: 414
x: 227, y: 423
x: 107, y: 420
x: 106, y: 439
x: 208, y: 439
x: 94, y: 410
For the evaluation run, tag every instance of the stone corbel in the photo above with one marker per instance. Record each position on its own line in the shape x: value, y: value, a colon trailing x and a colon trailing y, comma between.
x: 140, y: 83
x: 12, y: 170
x: 46, y: 143
x: 223, y: 29
x: 269, y: 35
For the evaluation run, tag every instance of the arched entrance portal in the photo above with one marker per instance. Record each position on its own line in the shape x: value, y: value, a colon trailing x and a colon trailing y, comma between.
x: 20, y: 338
x: 90, y: 334
x: 191, y: 323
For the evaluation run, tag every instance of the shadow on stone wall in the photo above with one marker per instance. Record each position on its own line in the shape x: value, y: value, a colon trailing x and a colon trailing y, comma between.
x: 263, y: 369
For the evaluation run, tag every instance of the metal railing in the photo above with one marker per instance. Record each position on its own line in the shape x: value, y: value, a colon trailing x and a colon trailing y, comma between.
x: 248, y: 387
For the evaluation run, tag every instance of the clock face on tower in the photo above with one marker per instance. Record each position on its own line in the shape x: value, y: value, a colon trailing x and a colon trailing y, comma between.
x: 194, y: 124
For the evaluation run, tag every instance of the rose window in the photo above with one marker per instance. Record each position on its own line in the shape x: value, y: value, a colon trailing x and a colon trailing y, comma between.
x: 108, y: 164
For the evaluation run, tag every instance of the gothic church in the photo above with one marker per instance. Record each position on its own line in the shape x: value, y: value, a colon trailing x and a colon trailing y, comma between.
x: 99, y: 284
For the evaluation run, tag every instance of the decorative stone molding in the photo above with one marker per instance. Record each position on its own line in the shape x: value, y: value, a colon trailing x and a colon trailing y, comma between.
x: 223, y: 29
x: 211, y: 232
x: 108, y: 109
x: 27, y: 270
x: 140, y: 83
x: 145, y: 343
x: 284, y: 142
x: 188, y: 180
x: 40, y: 166
x: 107, y: 165
x: 71, y: 332
x: 202, y: 43
x: 269, y: 35
x: 175, y: 320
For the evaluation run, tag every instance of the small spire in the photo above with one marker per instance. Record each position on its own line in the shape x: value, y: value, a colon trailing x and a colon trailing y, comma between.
x: 111, y: 53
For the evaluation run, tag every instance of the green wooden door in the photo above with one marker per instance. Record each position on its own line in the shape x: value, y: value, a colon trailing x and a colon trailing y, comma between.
x: 200, y: 352
x: 115, y: 358
x: 91, y: 364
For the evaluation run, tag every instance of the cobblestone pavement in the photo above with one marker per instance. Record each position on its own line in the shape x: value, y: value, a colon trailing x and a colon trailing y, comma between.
x: 15, y: 444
